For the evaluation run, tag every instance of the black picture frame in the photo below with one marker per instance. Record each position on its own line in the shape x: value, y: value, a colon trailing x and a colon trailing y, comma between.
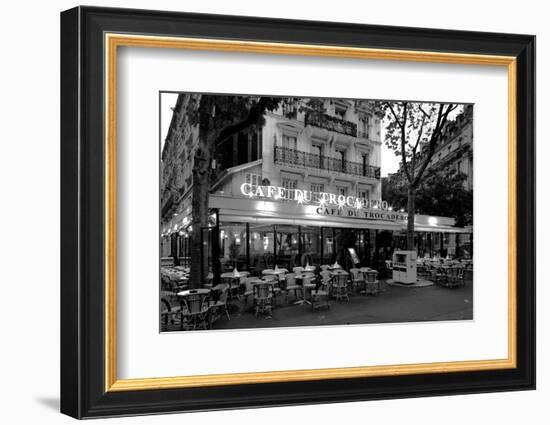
x: 83, y: 392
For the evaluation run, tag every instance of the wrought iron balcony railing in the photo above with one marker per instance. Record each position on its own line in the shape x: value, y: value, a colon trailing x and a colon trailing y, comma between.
x: 328, y: 122
x: 310, y: 160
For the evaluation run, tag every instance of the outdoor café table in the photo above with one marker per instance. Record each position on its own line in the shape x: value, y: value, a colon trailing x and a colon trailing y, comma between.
x: 220, y: 287
x: 201, y: 291
x: 234, y: 280
x: 309, y: 268
x: 275, y: 271
x: 304, y: 286
x: 178, y: 276
x: 279, y: 273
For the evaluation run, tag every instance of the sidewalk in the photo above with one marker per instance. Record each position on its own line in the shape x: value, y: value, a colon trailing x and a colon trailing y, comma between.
x: 392, y: 305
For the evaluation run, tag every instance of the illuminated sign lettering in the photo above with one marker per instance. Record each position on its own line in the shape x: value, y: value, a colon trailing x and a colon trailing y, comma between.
x: 323, y: 199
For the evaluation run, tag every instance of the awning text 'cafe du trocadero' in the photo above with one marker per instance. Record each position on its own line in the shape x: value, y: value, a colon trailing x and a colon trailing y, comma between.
x: 271, y: 225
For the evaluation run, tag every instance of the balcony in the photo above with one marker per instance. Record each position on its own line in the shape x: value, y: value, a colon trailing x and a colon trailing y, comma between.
x: 328, y: 122
x: 303, y: 159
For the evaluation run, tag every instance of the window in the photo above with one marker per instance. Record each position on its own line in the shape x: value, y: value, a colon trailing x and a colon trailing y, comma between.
x: 341, y: 156
x: 318, y: 156
x: 290, y: 185
x: 318, y: 150
x: 290, y: 142
x: 341, y: 190
x: 289, y: 109
x: 253, y: 179
x: 364, y: 126
x: 317, y: 187
x: 363, y: 194
x: 340, y: 112
x: 365, y: 162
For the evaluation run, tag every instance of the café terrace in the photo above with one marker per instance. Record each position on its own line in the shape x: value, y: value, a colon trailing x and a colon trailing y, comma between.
x: 289, y: 240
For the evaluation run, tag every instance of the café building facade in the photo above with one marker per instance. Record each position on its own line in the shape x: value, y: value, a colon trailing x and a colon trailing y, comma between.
x: 295, y: 191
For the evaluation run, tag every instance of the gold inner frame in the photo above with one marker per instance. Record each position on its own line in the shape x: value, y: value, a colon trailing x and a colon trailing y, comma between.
x: 113, y: 41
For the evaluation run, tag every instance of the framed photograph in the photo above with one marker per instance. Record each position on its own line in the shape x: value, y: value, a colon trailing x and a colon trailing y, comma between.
x: 261, y: 212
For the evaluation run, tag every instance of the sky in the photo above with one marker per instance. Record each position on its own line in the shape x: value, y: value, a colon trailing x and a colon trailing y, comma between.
x: 389, y: 161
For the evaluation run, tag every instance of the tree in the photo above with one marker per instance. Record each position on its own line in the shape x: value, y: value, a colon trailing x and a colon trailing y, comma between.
x: 413, y: 132
x: 440, y: 193
x: 394, y: 191
x: 218, y: 118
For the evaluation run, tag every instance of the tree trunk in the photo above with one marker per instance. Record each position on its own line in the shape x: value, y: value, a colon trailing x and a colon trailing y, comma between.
x: 411, y: 193
x: 199, y: 210
x: 216, y: 265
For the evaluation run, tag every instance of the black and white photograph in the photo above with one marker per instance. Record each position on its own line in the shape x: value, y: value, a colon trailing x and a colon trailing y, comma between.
x: 306, y: 211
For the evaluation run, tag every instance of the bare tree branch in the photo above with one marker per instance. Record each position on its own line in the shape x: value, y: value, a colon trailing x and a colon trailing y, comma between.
x: 420, y: 132
x: 440, y: 123
x: 395, y: 116
x: 253, y: 116
x: 424, y: 112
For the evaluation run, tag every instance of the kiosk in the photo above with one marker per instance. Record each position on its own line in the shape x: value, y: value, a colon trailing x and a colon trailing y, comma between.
x: 404, y: 267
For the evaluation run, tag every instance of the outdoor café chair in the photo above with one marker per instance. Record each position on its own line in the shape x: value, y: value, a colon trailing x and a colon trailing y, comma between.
x: 263, y: 294
x: 320, y: 296
x: 372, y: 284
x: 307, y: 279
x: 433, y: 271
x: 220, y: 306
x: 166, y: 284
x: 422, y: 269
x: 340, y: 286
x: 326, y: 279
x: 196, y: 310
x: 326, y: 275
x: 440, y: 275
x: 461, y: 274
x: 280, y: 289
x: 248, y: 288
x: 357, y: 280
x: 324, y: 267
x: 453, y: 279
x: 291, y: 285
x: 168, y: 311
x: 209, y: 279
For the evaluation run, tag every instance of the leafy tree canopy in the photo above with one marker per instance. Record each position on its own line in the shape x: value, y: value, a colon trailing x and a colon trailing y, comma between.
x: 440, y: 193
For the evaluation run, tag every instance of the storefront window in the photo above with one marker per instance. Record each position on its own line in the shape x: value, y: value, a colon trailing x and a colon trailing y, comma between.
x: 328, y: 246
x: 261, y: 246
x: 287, y: 246
x: 233, y: 246
x: 311, y: 245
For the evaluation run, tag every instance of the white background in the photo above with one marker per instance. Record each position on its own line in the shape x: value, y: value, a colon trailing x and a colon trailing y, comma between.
x: 255, y: 350
x: 29, y: 228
